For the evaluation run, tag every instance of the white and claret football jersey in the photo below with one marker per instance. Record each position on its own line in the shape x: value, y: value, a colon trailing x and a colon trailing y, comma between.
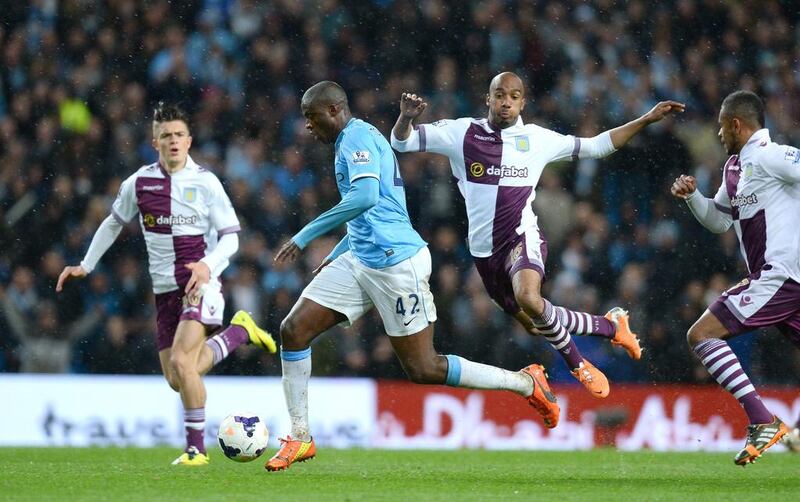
x: 496, y: 169
x: 760, y: 191
x: 181, y: 216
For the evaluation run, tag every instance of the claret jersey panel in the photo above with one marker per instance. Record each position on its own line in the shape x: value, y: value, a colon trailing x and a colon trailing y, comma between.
x: 497, y: 170
x: 761, y: 193
x: 181, y: 217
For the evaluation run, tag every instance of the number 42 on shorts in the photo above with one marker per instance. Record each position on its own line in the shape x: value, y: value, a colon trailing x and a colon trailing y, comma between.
x: 400, y: 307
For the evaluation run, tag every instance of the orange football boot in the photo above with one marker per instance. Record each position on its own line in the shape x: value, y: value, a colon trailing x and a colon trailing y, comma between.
x: 291, y: 451
x: 592, y: 378
x: 542, y: 399
x: 759, y: 438
x: 624, y: 337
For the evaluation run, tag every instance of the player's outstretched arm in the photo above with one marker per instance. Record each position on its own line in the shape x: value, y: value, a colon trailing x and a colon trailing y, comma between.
x: 622, y: 134
x: 362, y: 196
x: 411, y: 107
x: 106, y: 234
x: 714, y: 218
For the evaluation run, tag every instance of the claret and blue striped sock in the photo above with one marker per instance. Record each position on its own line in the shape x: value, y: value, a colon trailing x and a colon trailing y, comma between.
x: 720, y: 361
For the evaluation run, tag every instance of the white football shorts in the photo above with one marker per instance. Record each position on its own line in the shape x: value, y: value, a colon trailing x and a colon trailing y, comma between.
x: 401, y: 292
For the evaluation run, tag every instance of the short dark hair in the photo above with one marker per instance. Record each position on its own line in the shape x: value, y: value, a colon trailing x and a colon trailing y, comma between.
x: 167, y: 112
x: 325, y: 93
x: 745, y: 106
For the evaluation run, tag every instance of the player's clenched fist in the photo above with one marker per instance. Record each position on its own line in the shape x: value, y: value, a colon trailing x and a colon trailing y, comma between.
x: 411, y: 105
x: 684, y: 186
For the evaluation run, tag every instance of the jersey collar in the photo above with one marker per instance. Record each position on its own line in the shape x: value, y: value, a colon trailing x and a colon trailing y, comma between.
x: 190, y: 164
x: 758, y: 137
x: 341, y: 134
x: 519, y: 123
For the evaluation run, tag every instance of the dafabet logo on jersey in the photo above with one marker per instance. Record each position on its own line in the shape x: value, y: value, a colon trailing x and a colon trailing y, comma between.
x: 150, y: 221
x: 476, y: 169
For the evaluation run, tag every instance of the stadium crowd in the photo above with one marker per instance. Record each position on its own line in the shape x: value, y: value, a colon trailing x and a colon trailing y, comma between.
x: 79, y: 80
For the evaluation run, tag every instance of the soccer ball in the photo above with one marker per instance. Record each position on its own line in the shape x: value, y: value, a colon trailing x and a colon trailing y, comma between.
x: 243, y: 437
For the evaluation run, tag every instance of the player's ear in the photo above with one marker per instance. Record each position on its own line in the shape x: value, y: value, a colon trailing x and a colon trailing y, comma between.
x: 487, y: 99
x: 522, y: 106
x: 736, y: 125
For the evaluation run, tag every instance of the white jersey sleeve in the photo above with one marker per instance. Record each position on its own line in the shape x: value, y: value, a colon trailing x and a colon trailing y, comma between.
x: 568, y: 147
x: 557, y: 146
x: 125, y: 207
x: 714, y: 214
x: 782, y: 162
x: 221, y: 213
x: 445, y: 137
x: 721, y: 200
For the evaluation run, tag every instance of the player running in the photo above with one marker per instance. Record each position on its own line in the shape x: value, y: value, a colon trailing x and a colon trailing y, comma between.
x: 190, y: 229
x: 497, y: 162
x: 760, y: 197
x: 380, y: 262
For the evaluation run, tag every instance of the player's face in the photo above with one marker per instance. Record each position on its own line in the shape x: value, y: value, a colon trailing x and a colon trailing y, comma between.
x: 320, y: 123
x: 728, y: 133
x: 505, y: 100
x: 172, y: 140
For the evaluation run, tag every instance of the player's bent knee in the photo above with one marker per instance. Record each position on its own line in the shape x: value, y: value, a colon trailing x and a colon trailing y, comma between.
x: 288, y: 331
x: 530, y: 301
x: 695, y: 335
x: 173, y: 382
x: 179, y: 364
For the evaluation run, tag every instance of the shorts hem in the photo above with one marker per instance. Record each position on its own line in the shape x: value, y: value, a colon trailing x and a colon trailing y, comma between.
x: 400, y: 334
x: 349, y: 322
x: 727, y: 318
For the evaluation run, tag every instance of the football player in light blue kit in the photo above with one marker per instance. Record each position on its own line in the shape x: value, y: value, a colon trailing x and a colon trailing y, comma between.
x: 380, y: 262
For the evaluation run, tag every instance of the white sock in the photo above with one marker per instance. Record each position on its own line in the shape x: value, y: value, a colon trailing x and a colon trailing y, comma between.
x: 296, y: 367
x: 465, y: 373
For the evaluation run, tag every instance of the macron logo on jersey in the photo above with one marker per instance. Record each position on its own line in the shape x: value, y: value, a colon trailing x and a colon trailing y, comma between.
x: 152, y: 188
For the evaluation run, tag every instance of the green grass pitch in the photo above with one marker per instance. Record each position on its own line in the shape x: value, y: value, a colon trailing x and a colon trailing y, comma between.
x: 145, y: 474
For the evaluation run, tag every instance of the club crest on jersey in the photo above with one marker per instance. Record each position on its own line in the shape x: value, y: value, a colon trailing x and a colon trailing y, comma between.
x: 189, y: 194
x: 190, y: 301
x: 747, y: 170
x: 476, y: 169
x: 361, y: 157
x: 516, y: 253
x: 743, y: 282
x: 522, y: 143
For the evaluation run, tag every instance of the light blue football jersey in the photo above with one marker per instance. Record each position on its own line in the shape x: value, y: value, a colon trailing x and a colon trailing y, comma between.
x: 383, y: 235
